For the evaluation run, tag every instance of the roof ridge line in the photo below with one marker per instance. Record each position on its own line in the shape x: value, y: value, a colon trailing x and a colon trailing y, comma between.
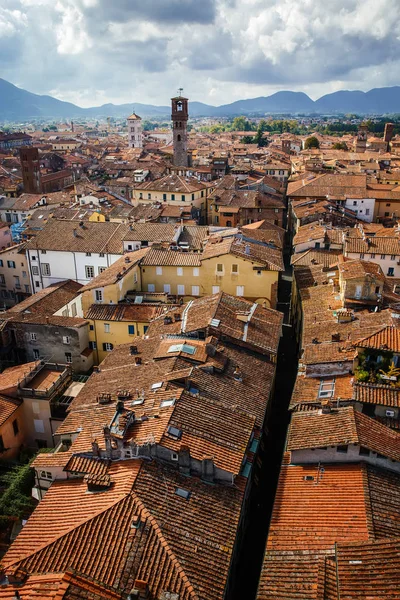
x: 166, y: 546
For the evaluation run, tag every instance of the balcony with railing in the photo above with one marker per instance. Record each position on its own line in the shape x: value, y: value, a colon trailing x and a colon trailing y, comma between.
x: 46, y: 380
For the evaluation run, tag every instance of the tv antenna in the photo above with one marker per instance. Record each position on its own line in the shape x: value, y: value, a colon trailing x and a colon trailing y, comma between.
x: 180, y: 90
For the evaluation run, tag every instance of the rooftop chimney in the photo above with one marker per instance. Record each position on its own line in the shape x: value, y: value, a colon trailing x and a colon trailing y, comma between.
x: 74, y: 231
x: 326, y: 407
x: 237, y: 374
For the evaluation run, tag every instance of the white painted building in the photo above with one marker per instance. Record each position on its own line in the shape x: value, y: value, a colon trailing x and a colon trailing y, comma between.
x: 363, y: 207
x: 382, y: 250
x: 135, y: 135
x: 72, y: 250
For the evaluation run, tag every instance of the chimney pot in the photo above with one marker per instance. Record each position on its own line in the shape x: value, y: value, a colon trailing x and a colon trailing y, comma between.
x: 326, y: 408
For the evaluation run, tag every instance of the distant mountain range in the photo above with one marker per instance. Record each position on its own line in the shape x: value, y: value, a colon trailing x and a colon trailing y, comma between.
x: 17, y: 104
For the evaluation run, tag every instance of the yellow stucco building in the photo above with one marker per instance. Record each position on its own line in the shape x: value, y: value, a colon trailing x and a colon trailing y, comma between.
x: 112, y: 321
x: 120, y: 303
x: 228, y: 265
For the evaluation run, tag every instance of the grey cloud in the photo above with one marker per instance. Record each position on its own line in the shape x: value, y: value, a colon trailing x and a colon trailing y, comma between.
x: 219, y: 45
x: 210, y: 52
x: 159, y: 11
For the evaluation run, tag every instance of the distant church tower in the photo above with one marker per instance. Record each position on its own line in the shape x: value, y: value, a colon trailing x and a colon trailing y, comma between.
x: 180, y: 115
x: 30, y: 166
x: 135, y: 131
x: 361, y: 141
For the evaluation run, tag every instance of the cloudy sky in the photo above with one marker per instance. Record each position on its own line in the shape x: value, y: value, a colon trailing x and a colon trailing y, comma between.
x: 96, y: 51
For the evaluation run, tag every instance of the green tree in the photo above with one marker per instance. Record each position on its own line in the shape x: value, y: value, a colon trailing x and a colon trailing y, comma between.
x: 241, y: 124
x: 247, y: 139
x: 259, y: 138
x: 311, y: 142
x: 340, y: 146
x: 16, y: 502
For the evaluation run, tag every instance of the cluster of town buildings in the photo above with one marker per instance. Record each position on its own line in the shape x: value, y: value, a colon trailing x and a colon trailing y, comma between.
x: 139, y: 338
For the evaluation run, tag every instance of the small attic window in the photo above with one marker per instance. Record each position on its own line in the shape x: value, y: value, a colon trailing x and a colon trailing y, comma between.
x: 182, y: 493
x: 174, y: 432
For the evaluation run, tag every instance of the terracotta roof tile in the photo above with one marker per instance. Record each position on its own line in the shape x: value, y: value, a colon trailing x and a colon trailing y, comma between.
x: 114, y: 272
x: 387, y: 338
x: 340, y: 427
x: 58, y: 235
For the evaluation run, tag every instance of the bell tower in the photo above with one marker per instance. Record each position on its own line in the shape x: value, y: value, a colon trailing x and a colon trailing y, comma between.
x: 180, y: 115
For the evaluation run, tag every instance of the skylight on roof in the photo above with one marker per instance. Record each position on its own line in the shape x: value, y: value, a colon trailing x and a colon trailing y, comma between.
x: 168, y: 402
x: 186, y: 348
x: 137, y: 402
x: 174, y: 431
x: 156, y: 386
x: 182, y: 493
x: 215, y: 322
x: 326, y: 388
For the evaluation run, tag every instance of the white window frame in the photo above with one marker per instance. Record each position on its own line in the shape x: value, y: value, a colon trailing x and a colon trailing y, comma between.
x: 167, y: 288
x: 66, y: 339
x: 46, y: 270
x: 180, y: 290
x: 68, y: 358
x: 151, y: 287
x: 326, y: 388
x: 33, y: 337
x: 89, y: 271
x: 158, y: 270
x: 195, y: 290
x: 98, y: 294
x: 179, y: 271
x: 240, y: 290
x: 106, y: 327
x: 196, y: 272
x: 215, y: 289
x: 109, y: 346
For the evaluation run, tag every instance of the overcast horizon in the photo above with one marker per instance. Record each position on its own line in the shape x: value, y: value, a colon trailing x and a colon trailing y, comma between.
x: 91, y: 52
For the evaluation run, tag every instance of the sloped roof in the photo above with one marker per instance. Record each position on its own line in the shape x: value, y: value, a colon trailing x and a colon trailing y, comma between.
x: 388, y: 339
x: 117, y: 270
x: 313, y: 510
x: 58, y: 235
x: 341, y: 427
x: 356, y: 269
x: 241, y: 320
